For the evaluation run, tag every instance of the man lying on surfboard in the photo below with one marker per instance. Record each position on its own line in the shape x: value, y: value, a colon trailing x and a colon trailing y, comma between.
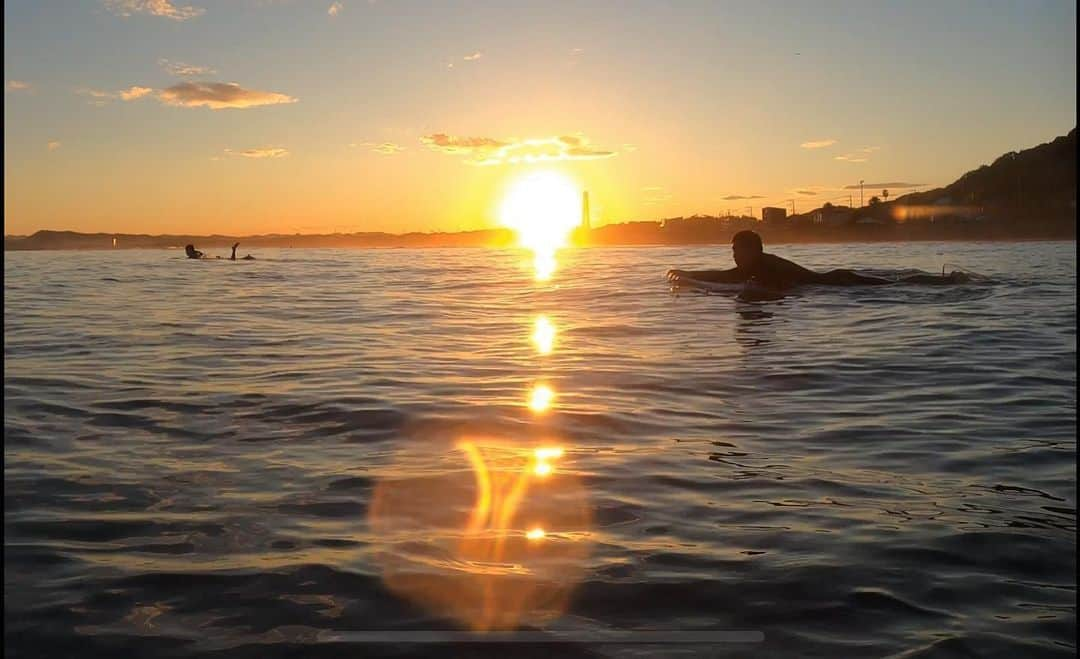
x: 754, y: 265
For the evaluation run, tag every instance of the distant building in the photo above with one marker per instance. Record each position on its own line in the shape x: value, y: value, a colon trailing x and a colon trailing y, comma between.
x: 833, y: 217
x: 773, y: 215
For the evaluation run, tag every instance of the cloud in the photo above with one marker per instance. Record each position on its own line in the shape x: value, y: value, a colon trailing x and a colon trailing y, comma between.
x: 629, y: 148
x: 892, y: 184
x: 134, y: 92
x: 808, y: 193
x: 163, y: 8
x: 472, y: 58
x: 817, y: 144
x: 490, y: 151
x: 385, y: 148
x: 335, y: 9
x: 18, y: 86
x: 182, y: 70
x: 100, y: 97
x: 388, y: 148
x: 859, y: 155
x: 53, y: 146
x: 574, y: 52
x: 737, y: 197
x: 265, y: 152
x: 219, y: 96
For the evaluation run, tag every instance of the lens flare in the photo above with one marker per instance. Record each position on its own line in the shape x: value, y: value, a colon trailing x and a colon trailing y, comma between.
x: 542, y: 208
x: 540, y: 398
x: 543, y: 335
x: 492, y: 545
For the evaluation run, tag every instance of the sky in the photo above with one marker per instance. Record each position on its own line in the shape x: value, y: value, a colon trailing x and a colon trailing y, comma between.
x: 260, y: 116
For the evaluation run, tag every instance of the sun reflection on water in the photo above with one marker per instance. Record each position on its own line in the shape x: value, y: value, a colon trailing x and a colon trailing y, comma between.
x: 540, y: 398
x: 543, y: 335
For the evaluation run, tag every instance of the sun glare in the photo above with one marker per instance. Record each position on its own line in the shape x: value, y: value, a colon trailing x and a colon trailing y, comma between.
x: 543, y: 208
x: 540, y: 398
x: 543, y: 335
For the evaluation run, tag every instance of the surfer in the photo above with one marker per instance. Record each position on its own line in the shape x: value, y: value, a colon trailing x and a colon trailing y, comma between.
x: 193, y: 253
x: 249, y: 257
x: 754, y: 265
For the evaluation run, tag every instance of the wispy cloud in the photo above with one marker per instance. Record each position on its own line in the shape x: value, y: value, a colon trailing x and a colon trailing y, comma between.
x: 808, y: 193
x: 385, y: 148
x: 335, y: 9
x: 53, y: 145
x: 739, y: 197
x: 265, y: 152
x: 574, y: 52
x: 817, y: 144
x: 18, y: 86
x: 629, y: 148
x: 219, y: 96
x: 490, y: 151
x: 134, y: 92
x: 162, y: 8
x: 100, y: 97
x: 891, y: 184
x: 182, y: 70
x: 467, y: 58
x: 859, y: 155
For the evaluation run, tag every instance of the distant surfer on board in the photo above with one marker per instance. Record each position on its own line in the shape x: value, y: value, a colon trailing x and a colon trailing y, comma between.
x: 193, y: 253
x: 249, y: 257
x: 767, y: 271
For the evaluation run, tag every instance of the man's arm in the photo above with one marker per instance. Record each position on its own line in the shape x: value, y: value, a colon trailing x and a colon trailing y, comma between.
x: 732, y: 276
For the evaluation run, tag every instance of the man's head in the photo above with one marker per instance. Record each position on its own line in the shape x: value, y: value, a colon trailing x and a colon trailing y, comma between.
x: 747, y: 249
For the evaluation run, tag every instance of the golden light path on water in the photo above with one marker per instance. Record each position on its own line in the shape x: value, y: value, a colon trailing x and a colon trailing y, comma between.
x: 543, y: 336
x: 493, y: 535
x: 540, y: 398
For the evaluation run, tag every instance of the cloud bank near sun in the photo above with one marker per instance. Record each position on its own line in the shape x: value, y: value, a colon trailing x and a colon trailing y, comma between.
x: 484, y: 151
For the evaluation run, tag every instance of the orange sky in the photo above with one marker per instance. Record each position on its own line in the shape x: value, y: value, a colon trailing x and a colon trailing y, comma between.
x: 253, y: 117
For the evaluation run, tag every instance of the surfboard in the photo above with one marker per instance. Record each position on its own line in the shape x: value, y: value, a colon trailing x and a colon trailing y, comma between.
x: 744, y: 290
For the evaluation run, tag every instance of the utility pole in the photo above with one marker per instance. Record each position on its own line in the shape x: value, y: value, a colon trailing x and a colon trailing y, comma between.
x: 750, y: 211
x: 792, y: 206
x: 860, y: 194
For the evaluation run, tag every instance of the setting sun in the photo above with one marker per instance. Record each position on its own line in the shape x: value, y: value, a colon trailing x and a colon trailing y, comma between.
x: 543, y: 208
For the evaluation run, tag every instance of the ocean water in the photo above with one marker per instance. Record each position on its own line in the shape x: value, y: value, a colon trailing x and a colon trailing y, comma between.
x: 328, y: 452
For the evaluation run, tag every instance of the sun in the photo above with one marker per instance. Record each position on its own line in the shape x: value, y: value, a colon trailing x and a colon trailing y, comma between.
x: 543, y: 208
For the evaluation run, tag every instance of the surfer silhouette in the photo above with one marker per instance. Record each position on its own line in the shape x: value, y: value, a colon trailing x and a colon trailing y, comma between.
x: 754, y: 265
x: 193, y: 253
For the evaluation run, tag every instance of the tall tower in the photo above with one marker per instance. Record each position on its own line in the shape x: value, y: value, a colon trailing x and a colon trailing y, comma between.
x: 585, y: 210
